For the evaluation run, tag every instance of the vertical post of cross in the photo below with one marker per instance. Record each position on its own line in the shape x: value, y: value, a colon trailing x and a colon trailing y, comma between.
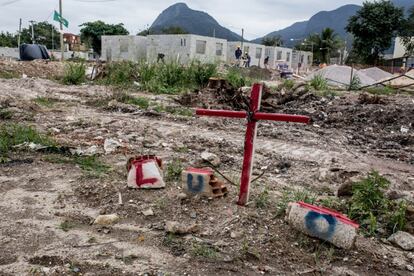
x: 249, y: 144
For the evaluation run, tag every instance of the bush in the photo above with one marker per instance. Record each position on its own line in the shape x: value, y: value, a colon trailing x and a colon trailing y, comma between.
x: 74, y: 73
x: 121, y: 73
x: 383, y: 90
x: 319, y: 83
x: 371, y: 208
x: 200, y: 73
x: 355, y: 83
x: 235, y: 78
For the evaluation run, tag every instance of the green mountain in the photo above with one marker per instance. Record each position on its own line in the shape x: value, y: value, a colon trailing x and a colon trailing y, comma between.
x: 192, y: 21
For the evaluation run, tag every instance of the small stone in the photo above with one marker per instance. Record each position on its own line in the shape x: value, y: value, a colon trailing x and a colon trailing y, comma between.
x: 410, y: 268
x: 148, y: 212
x: 193, y: 215
x: 175, y: 227
x: 106, y: 219
x: 211, y: 157
x: 236, y: 235
x: 182, y: 196
x: 403, y: 240
x: 111, y: 145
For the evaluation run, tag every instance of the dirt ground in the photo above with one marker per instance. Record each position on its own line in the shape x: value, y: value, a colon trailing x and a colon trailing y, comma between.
x: 348, y: 137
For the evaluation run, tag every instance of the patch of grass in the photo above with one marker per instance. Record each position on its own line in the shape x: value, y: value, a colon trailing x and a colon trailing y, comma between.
x: 90, y: 164
x: 187, y: 112
x: 204, y: 250
x: 124, y: 97
x: 173, y: 170
x: 200, y: 73
x: 262, y: 200
x: 9, y: 75
x: 5, y: 114
x: 328, y: 93
x: 372, y: 209
x: 235, y: 78
x: 12, y: 134
x: 382, y: 90
x: 319, y: 83
x: 355, y: 83
x: 294, y: 196
x: 121, y: 73
x: 287, y: 84
x: 74, y: 73
x: 66, y: 225
x: 43, y: 101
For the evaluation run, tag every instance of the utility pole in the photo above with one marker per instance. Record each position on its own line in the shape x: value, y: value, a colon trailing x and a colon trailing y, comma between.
x: 20, y: 31
x: 242, y: 40
x: 61, y: 30
x: 53, y: 39
x: 32, y: 22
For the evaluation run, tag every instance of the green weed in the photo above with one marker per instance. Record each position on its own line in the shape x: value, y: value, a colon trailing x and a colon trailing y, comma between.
x: 235, y: 78
x: 294, y: 196
x: 121, y: 73
x: 66, y: 225
x: 382, y: 90
x: 319, y: 83
x: 8, y: 75
x: 5, y: 114
x: 124, y: 97
x: 262, y: 200
x: 173, y: 170
x: 74, y: 73
x: 201, y: 73
x: 43, y: 101
x: 90, y: 164
x: 287, y: 84
x: 355, y: 83
x: 12, y: 134
x: 203, y: 250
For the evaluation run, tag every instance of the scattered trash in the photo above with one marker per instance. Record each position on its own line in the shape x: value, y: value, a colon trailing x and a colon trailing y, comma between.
x: 145, y: 172
x: 106, y: 219
x: 174, y: 227
x: 322, y: 223
x: 111, y: 145
x: 403, y: 240
x: 203, y: 182
x: 148, y: 212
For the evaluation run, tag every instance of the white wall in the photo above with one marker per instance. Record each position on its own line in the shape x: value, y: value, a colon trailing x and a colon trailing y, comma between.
x: 305, y: 58
x: 123, y: 47
x: 399, y: 48
x: 252, y: 48
x: 6, y: 52
x: 210, y: 55
x: 174, y: 47
x: 275, y: 60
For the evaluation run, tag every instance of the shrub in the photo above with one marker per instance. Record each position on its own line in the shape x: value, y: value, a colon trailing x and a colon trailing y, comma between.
x: 383, y: 90
x: 121, y: 73
x: 371, y: 207
x: 200, y: 73
x: 74, y: 73
x: 319, y: 83
x: 355, y: 83
x: 235, y: 78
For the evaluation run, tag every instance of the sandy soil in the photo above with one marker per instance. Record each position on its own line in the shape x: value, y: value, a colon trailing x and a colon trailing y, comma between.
x: 36, y: 195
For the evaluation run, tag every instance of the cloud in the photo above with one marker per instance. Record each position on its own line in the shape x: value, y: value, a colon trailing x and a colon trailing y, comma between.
x: 256, y: 17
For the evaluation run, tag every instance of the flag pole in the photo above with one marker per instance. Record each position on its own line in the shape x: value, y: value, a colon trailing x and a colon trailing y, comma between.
x: 61, y: 30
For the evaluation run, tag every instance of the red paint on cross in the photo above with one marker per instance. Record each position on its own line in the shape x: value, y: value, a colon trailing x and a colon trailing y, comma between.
x: 252, y: 116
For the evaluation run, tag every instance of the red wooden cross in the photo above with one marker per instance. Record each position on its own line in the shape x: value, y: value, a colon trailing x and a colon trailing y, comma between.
x: 252, y: 116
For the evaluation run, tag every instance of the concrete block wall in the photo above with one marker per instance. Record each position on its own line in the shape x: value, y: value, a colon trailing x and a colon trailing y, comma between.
x: 279, y: 56
x: 124, y: 47
x: 6, y: 52
x: 304, y: 58
x: 215, y: 50
x: 253, y: 49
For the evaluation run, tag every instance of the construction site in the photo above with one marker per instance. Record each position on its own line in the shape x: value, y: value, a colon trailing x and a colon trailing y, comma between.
x: 331, y: 181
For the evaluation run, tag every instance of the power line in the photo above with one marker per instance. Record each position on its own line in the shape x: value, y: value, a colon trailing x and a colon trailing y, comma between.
x: 9, y: 2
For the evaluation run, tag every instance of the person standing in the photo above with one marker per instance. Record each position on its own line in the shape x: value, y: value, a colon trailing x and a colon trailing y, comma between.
x: 266, y: 62
x: 238, y: 53
x: 248, y: 60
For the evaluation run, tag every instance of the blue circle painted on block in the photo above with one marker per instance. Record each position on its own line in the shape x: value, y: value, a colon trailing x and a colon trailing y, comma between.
x: 310, y: 222
x: 195, y: 188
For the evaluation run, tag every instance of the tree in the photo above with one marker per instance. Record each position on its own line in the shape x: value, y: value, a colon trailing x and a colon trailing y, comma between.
x: 8, y: 40
x: 325, y: 45
x: 407, y: 33
x: 273, y: 41
x: 92, y: 32
x: 373, y: 28
x: 169, y: 30
x: 42, y: 35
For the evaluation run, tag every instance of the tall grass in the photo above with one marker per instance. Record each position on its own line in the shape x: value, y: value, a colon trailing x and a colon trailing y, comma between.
x: 74, y: 73
x: 319, y: 83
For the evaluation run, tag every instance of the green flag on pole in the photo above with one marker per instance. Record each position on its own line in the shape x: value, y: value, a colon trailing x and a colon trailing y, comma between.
x: 57, y: 17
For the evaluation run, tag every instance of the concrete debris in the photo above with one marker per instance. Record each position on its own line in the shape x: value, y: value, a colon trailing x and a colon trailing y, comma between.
x: 322, y: 223
x: 175, y: 227
x: 111, y: 145
x: 203, y: 182
x: 182, y: 196
x: 148, y: 212
x: 92, y: 150
x: 106, y: 220
x: 403, y: 240
x: 376, y: 73
x: 145, y: 172
x: 211, y: 157
x: 338, y: 75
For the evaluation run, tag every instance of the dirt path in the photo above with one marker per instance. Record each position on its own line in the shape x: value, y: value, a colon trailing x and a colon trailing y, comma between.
x: 47, y: 208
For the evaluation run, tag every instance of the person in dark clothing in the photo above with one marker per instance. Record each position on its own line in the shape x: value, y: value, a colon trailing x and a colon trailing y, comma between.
x: 238, y: 53
x: 247, y: 60
x: 266, y: 62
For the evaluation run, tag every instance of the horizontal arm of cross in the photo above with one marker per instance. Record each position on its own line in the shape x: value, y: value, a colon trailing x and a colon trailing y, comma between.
x: 255, y: 116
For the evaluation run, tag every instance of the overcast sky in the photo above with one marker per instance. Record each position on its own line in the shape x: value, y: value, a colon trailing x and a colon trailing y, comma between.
x: 257, y: 17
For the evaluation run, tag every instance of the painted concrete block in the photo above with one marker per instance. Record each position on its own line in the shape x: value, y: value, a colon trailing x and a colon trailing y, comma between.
x: 322, y: 223
x: 203, y: 182
x: 145, y: 172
